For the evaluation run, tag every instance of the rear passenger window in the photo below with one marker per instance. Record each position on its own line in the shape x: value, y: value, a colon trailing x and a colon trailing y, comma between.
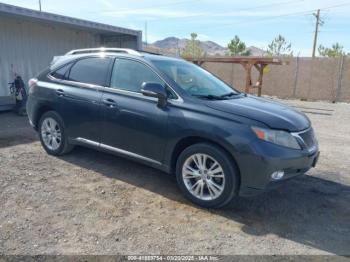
x: 129, y: 75
x: 61, y: 72
x: 92, y: 70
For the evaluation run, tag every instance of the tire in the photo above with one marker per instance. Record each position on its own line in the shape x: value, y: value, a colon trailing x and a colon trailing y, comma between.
x: 191, y: 183
x: 52, y: 123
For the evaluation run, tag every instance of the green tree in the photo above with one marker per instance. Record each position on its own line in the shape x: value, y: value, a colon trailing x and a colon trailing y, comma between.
x: 192, y: 48
x: 237, y: 47
x: 335, y: 51
x: 279, y: 47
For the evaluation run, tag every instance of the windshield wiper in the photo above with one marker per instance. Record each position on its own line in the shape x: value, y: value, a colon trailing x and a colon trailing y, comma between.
x: 215, y: 97
x: 210, y: 97
x: 228, y: 95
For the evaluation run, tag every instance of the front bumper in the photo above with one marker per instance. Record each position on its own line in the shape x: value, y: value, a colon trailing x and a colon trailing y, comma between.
x: 256, y: 168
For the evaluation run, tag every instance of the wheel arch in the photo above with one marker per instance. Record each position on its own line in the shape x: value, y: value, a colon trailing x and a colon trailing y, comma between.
x: 42, y: 109
x: 185, y: 142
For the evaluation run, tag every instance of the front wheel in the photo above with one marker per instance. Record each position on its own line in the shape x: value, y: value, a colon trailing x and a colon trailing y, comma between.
x: 207, y: 175
x: 52, y: 134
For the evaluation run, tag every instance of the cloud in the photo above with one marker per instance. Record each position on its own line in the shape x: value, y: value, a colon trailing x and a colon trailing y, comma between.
x: 106, y: 3
x: 203, y: 37
x: 151, y: 13
x: 164, y: 13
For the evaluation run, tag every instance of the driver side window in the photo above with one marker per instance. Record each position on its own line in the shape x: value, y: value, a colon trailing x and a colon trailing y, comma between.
x: 129, y: 75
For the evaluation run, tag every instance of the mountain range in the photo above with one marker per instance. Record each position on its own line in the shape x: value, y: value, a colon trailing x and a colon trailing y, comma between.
x: 172, y: 45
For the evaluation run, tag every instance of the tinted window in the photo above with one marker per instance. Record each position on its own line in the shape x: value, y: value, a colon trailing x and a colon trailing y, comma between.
x: 193, y: 79
x: 90, y: 70
x: 61, y: 72
x: 129, y: 75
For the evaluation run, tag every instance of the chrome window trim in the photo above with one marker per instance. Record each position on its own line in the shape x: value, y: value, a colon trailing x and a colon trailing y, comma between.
x: 116, y: 89
x: 81, y: 84
x: 51, y: 85
x: 108, y: 89
x: 74, y: 83
x: 137, y: 94
x: 117, y: 150
x: 128, y: 93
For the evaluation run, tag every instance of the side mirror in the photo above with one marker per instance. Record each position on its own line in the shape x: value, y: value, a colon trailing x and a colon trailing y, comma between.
x: 155, y: 90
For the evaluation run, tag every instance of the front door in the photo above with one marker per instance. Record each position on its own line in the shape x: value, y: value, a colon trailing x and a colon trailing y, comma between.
x: 132, y: 123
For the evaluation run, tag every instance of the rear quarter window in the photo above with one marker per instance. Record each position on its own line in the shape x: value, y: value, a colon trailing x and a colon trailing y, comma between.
x: 92, y: 70
x: 61, y: 73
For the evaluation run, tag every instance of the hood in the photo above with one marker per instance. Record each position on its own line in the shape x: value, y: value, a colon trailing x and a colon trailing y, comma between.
x: 273, y: 114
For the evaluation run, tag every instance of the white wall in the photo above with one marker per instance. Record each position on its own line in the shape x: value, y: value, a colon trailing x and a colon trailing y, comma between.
x: 28, y: 47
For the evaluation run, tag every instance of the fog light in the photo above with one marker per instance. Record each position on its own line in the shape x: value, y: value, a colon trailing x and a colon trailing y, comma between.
x: 277, y: 175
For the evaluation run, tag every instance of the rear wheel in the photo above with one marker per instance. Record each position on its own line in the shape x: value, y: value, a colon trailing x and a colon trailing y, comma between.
x: 52, y: 134
x: 207, y: 175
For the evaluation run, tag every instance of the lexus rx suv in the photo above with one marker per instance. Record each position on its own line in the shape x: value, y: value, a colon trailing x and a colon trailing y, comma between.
x: 172, y: 115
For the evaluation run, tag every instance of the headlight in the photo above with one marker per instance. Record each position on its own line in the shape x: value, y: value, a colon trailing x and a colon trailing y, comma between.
x: 278, y: 137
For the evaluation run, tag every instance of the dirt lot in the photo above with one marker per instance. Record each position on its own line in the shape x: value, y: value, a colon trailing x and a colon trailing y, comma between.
x: 93, y: 203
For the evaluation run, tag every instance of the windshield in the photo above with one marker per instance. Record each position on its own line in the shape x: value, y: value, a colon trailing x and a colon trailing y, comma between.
x: 195, y: 80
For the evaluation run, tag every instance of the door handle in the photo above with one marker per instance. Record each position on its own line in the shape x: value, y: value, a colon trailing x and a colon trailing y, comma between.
x: 60, y: 92
x: 109, y: 102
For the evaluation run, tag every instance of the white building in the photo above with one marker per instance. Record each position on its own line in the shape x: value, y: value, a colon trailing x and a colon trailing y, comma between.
x: 29, y: 39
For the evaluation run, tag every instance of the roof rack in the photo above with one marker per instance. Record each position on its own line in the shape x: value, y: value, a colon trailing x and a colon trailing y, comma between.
x: 103, y: 49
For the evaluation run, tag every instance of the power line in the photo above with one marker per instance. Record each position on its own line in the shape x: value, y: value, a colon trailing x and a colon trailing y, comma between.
x: 145, y: 8
x: 334, y: 6
x: 307, y: 12
x: 244, y: 9
x: 259, y: 20
x: 239, y: 10
x: 188, y: 1
x: 269, y: 5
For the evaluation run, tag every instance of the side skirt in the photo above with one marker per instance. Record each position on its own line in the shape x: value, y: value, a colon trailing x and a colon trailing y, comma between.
x: 120, y: 152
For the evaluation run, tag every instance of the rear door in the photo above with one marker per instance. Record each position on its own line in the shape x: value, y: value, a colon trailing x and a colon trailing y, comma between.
x: 80, y: 95
x: 133, y: 124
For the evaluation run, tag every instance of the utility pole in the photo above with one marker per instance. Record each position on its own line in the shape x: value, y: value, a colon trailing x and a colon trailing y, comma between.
x: 319, y: 22
x: 40, y: 5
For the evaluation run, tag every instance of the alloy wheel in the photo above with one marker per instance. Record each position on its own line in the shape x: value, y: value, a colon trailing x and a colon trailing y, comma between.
x: 203, y: 176
x: 51, y: 133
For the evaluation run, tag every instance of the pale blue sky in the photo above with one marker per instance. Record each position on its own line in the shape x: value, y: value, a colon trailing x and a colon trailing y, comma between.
x: 255, y: 22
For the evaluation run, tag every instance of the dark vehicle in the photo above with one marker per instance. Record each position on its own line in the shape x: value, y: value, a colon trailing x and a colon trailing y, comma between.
x: 174, y: 116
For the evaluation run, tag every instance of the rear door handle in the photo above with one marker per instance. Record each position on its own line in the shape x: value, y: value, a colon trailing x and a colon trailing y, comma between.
x: 60, y: 92
x: 109, y: 102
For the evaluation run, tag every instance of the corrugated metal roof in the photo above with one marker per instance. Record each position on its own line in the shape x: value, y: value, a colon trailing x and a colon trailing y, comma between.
x: 63, y: 20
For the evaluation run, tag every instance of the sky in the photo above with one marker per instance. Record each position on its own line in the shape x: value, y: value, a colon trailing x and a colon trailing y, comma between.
x: 256, y: 22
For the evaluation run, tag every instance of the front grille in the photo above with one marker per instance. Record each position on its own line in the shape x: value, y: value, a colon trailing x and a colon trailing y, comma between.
x: 309, y: 138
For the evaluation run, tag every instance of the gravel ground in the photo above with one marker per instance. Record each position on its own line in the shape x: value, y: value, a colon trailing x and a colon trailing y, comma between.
x: 90, y: 202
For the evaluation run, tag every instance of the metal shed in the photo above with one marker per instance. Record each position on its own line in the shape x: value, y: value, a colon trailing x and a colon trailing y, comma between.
x: 29, y: 39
